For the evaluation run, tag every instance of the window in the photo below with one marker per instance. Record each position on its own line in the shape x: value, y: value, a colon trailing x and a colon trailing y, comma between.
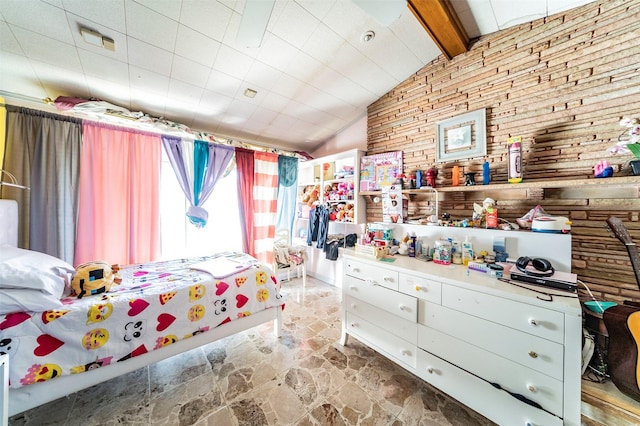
x: 179, y: 238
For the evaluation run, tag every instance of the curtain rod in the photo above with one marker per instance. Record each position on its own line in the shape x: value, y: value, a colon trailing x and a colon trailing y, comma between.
x: 128, y: 123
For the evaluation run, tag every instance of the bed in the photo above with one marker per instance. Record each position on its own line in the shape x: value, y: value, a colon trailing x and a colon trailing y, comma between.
x: 59, y: 344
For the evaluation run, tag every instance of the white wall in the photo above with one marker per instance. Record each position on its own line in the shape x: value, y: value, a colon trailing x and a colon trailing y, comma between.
x: 353, y: 136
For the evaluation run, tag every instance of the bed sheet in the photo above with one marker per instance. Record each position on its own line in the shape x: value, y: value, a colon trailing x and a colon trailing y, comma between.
x: 156, y: 305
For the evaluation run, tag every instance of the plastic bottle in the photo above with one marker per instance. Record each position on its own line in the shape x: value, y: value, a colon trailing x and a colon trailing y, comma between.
x: 514, y: 149
x: 418, y: 179
x: 467, y: 251
x: 412, y: 245
x: 455, y: 176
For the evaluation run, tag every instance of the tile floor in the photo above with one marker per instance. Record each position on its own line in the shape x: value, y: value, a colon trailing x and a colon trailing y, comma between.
x: 304, y: 378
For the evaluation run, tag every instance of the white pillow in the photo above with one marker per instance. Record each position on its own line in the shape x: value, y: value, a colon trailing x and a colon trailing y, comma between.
x: 26, y: 300
x: 20, y: 268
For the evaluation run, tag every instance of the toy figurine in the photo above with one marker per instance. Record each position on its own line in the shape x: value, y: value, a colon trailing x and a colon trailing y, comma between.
x: 470, y: 179
x: 432, y: 175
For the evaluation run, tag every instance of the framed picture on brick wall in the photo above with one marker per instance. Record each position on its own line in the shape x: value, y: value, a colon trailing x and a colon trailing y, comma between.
x: 462, y: 137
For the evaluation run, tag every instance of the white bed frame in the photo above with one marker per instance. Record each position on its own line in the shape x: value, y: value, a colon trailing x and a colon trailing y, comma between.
x: 30, y: 396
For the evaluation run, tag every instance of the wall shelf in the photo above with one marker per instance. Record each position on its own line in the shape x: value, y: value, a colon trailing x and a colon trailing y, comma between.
x: 542, y: 184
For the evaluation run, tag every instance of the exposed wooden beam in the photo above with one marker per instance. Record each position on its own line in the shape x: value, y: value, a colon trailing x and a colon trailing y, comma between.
x: 439, y: 19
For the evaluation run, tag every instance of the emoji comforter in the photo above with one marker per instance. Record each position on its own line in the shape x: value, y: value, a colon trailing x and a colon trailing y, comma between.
x: 156, y: 305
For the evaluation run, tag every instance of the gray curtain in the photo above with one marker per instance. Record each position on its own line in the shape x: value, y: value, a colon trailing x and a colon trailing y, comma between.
x: 43, y: 152
x: 287, y: 192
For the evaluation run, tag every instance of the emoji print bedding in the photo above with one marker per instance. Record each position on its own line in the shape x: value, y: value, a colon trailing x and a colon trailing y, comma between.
x: 157, y: 304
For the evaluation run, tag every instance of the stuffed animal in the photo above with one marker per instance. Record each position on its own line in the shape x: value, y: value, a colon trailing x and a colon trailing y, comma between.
x: 310, y: 194
x: 94, y: 278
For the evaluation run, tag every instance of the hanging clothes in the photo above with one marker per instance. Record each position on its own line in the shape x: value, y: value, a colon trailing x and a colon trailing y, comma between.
x: 318, y: 226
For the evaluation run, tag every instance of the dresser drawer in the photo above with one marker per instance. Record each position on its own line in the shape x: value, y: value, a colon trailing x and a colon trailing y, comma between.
x: 534, y: 320
x: 405, y: 329
x: 538, y: 387
x: 528, y: 350
x: 373, y: 274
x: 493, y: 403
x: 396, y: 303
x: 420, y: 287
x: 389, y: 344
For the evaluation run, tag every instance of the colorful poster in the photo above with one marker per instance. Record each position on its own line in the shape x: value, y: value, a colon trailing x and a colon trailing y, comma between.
x: 380, y: 170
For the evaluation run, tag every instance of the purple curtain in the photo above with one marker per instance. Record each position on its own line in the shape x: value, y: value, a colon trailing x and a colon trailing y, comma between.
x: 198, y: 165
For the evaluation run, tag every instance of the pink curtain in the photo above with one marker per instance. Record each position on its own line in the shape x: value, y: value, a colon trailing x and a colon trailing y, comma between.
x: 119, y: 196
x: 265, y: 204
x: 245, y: 163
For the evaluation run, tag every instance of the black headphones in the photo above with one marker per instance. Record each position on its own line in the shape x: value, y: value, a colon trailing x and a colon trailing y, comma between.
x: 542, y: 265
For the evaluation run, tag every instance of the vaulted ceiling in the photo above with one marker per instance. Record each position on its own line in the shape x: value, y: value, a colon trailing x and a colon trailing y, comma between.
x: 184, y: 60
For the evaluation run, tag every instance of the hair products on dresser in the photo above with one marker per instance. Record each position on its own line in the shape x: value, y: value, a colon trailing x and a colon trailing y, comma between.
x: 467, y: 251
x: 514, y: 150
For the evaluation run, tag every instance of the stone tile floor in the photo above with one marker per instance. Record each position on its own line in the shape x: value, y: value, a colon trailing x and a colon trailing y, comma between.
x: 253, y: 378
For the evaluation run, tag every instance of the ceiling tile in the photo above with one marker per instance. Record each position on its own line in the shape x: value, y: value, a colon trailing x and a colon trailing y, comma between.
x: 196, y: 46
x: 184, y: 92
x: 213, y: 104
x: 232, y: 62
x: 37, y: 17
x: 224, y: 84
x: 103, y: 67
x: 262, y: 75
x: 273, y: 101
x: 210, y: 18
x: 154, y: 83
x: 322, y: 44
x: 408, y: 31
x: 295, y: 24
x: 186, y: 70
x: 149, y: 57
x: 276, y: 52
x: 108, y: 13
x: 17, y: 76
x: 151, y: 27
x: 58, y: 80
x: 116, y: 93
x: 119, y: 39
x: 509, y: 13
x: 47, y: 50
x: 8, y: 42
x: 477, y: 17
x: 169, y: 8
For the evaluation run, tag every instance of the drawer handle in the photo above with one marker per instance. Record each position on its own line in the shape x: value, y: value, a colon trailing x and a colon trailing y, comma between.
x: 353, y: 305
x: 356, y: 270
x: 430, y: 370
x: 533, y: 354
x: 353, y: 287
x: 406, y: 352
x: 532, y: 321
x: 531, y: 388
x: 403, y: 308
x: 372, y: 282
x: 354, y: 324
x: 388, y: 279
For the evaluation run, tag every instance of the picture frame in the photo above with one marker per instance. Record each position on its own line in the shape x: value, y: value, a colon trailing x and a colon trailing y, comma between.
x: 462, y: 137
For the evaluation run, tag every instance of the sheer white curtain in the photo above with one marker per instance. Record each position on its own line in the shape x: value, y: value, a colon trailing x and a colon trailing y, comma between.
x: 179, y: 237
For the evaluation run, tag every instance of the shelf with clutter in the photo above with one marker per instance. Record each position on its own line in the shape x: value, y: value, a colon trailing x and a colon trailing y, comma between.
x: 331, y: 182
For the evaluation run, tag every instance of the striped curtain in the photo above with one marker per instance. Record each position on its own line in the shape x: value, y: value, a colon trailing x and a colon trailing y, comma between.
x: 265, y: 195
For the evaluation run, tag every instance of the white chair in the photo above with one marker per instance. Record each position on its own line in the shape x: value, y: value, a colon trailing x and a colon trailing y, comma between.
x: 287, y: 257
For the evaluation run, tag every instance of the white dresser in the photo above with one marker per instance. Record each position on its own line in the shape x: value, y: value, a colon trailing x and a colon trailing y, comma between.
x: 488, y: 344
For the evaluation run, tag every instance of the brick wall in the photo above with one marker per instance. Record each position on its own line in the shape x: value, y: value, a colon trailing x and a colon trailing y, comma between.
x: 562, y: 83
